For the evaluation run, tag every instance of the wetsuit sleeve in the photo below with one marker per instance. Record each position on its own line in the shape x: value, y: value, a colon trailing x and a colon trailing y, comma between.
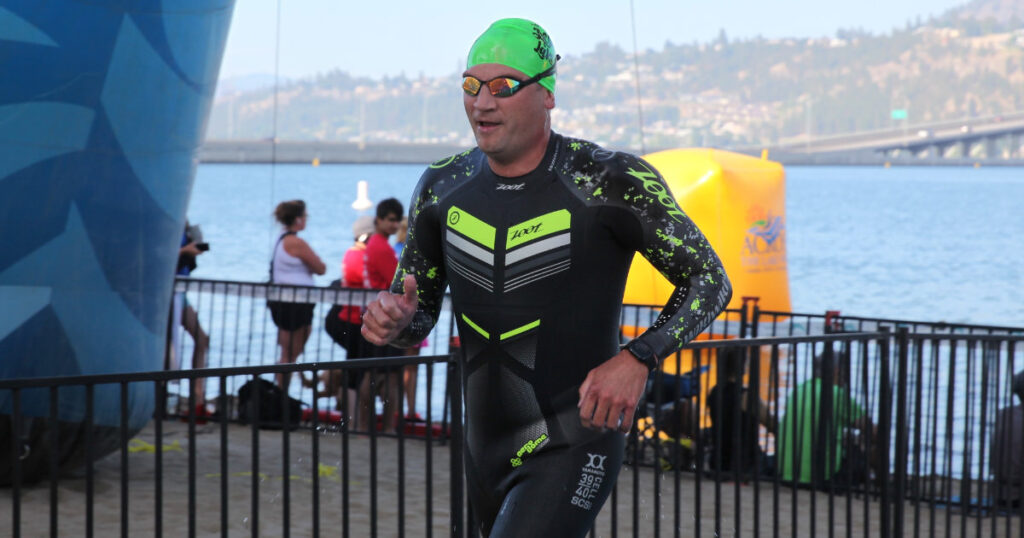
x: 673, y: 244
x: 422, y: 257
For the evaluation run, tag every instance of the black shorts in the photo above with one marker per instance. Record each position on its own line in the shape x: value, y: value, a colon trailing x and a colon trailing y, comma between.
x: 291, y: 316
x: 365, y: 350
x: 348, y: 336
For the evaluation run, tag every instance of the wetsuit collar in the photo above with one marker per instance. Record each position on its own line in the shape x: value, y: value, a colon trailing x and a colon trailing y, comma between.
x: 536, y: 176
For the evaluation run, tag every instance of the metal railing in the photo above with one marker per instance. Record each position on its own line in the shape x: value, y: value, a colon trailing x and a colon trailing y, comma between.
x: 233, y: 476
x: 777, y: 323
x: 927, y: 456
x: 924, y: 441
x: 240, y: 331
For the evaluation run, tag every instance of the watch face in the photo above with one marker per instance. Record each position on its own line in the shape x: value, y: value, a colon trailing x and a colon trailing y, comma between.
x: 643, y: 353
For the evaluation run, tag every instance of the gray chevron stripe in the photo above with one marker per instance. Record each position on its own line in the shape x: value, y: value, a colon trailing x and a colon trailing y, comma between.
x: 464, y: 245
x: 470, y: 263
x: 543, y: 260
x: 535, y: 248
x: 537, y: 275
x: 564, y: 264
x: 471, y: 276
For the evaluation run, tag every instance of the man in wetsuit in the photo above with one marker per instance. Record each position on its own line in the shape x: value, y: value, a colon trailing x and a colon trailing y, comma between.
x: 534, y: 233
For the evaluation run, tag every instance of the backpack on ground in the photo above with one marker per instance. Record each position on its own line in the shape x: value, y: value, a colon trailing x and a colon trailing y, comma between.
x: 267, y: 408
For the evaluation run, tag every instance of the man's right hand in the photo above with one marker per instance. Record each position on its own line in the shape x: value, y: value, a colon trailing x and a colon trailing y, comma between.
x: 390, y: 313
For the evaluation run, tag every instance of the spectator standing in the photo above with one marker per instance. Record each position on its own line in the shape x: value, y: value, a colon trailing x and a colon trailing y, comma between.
x: 345, y: 330
x: 294, y: 263
x: 380, y: 268
x: 183, y: 315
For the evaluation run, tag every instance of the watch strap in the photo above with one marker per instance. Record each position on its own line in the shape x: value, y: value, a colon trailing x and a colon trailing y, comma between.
x: 643, y: 352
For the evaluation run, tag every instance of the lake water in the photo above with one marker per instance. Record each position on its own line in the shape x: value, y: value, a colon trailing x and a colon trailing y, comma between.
x: 922, y: 243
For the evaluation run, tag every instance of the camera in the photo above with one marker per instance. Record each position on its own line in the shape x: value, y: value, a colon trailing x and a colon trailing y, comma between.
x: 203, y: 246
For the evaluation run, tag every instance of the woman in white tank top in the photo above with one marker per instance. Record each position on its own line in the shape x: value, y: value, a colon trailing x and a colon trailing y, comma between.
x: 293, y: 262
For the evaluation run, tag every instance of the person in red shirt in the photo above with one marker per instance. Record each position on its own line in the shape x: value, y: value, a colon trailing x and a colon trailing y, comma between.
x: 354, y: 270
x: 343, y: 385
x: 380, y: 265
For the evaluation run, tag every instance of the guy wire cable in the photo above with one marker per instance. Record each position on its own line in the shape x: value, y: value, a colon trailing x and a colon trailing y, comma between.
x: 636, y: 69
x: 273, y: 129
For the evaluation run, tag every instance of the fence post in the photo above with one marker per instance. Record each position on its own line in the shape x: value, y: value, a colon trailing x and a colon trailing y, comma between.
x: 748, y: 321
x: 884, y: 434
x: 744, y: 322
x: 755, y: 318
x: 454, y: 382
x: 902, y: 435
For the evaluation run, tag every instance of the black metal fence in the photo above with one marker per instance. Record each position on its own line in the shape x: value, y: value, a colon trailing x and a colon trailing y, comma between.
x: 889, y: 433
x: 237, y: 329
x: 244, y: 470
x: 902, y: 435
x: 235, y: 317
x: 777, y: 323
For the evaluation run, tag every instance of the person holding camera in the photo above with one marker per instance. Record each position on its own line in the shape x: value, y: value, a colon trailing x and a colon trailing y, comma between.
x: 183, y: 315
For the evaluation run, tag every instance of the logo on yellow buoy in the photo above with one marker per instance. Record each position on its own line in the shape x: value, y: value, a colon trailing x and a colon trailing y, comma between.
x: 764, y: 246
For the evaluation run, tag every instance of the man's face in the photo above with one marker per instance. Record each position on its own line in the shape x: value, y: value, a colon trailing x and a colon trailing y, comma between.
x: 388, y: 225
x: 506, y: 127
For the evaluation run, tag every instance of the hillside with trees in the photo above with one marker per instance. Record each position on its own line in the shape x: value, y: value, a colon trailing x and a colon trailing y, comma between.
x: 728, y: 92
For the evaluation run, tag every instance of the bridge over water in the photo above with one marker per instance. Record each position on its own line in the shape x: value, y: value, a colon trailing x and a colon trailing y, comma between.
x: 994, y: 140
x: 988, y: 140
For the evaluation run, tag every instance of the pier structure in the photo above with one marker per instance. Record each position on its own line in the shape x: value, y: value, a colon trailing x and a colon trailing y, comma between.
x: 990, y: 141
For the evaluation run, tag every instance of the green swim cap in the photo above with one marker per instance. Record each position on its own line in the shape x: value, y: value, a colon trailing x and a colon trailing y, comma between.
x: 516, y: 43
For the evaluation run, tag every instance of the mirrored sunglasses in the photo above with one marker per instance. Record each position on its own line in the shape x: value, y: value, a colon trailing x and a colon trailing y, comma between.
x: 503, y: 86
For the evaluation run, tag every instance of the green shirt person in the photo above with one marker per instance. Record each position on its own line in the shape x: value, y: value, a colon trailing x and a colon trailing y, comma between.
x: 809, y: 445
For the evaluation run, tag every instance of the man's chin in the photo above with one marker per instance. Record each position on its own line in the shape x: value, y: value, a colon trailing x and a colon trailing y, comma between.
x: 486, y: 144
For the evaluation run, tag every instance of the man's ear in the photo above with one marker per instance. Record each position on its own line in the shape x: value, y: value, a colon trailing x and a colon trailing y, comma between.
x: 549, y: 99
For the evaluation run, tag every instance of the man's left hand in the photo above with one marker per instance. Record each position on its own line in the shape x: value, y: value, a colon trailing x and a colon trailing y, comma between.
x: 609, y: 394
x: 190, y: 250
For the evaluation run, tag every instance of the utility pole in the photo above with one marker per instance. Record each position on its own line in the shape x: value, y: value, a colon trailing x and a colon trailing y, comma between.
x: 809, y: 124
x: 362, y: 123
x: 423, y: 118
x: 906, y: 117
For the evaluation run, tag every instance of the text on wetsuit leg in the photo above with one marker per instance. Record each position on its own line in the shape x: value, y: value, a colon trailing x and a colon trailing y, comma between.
x: 591, y: 476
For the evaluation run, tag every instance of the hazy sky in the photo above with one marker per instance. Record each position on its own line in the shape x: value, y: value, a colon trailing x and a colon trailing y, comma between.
x: 390, y: 37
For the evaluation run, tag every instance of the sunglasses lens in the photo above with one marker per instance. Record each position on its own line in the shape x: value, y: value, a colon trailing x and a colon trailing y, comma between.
x: 471, y: 85
x: 503, y: 87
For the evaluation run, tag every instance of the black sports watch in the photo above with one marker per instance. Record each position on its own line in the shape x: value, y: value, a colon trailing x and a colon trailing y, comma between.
x: 643, y: 352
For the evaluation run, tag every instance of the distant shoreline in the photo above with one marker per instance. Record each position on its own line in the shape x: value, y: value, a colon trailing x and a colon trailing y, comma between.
x: 308, y: 152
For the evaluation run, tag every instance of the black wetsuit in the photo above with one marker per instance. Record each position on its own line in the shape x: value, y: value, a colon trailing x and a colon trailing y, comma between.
x: 537, y: 266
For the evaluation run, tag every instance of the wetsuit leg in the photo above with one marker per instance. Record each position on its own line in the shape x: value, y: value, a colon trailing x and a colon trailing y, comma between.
x: 560, y: 492
x: 484, y: 498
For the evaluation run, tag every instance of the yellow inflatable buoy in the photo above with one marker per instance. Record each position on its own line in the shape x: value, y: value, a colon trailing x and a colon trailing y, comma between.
x: 739, y: 202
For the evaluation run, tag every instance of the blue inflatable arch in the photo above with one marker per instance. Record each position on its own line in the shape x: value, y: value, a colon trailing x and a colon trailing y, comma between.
x: 103, y: 107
